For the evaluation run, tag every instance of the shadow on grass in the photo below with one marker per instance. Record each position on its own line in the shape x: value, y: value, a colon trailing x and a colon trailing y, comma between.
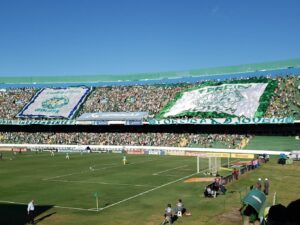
x: 16, y: 214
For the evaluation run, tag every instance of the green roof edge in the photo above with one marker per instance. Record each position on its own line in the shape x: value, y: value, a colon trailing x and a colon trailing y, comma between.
x: 282, y: 64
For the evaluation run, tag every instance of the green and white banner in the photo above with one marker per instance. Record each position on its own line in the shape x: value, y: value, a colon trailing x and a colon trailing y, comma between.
x: 223, y: 121
x: 37, y: 122
x: 55, y: 103
x: 244, y: 98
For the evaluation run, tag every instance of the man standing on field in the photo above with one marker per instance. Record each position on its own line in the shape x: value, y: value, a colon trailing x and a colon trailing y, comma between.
x: 30, y: 211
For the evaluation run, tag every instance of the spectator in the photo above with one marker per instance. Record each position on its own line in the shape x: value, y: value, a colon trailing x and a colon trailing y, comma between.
x: 258, y: 184
x: 235, y: 174
x: 293, y: 213
x: 276, y: 215
x: 266, y: 186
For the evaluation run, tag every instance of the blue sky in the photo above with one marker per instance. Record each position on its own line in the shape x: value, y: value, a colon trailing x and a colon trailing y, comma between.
x: 71, y: 37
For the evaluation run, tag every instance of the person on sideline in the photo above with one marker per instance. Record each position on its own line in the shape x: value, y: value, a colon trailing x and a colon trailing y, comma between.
x: 258, y: 184
x: 30, y: 211
x: 266, y: 186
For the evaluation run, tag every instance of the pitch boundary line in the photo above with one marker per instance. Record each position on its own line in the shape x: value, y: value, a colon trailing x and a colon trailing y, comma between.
x: 106, y: 183
x: 54, y: 206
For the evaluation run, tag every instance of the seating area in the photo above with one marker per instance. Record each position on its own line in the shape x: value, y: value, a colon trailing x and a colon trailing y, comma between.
x: 129, y: 138
x: 150, y: 98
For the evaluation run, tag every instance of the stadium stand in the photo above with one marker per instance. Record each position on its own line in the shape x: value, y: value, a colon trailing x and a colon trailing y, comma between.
x: 130, y: 138
x: 284, y: 103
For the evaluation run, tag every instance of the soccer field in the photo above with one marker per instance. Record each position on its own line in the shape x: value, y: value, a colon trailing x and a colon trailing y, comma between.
x: 136, y: 193
x: 72, y: 184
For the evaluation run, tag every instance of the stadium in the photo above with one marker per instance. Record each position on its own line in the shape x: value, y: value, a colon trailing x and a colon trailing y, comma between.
x: 118, y: 149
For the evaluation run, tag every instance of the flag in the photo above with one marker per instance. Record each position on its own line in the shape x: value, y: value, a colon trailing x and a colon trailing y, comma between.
x: 221, y: 100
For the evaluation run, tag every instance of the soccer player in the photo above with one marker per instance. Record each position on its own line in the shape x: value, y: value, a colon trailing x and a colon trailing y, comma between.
x: 179, y: 208
x: 168, y: 215
x: 124, y: 160
x: 67, y: 156
x: 52, y: 153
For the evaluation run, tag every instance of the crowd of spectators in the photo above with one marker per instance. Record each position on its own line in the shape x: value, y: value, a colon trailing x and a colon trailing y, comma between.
x: 13, y: 100
x: 147, y: 139
x: 286, y: 99
x: 150, y: 98
x: 132, y: 98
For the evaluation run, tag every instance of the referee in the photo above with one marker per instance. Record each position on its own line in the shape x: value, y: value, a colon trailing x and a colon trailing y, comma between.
x: 30, y: 210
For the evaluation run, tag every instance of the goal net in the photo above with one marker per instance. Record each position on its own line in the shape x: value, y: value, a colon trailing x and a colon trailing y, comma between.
x: 214, y: 164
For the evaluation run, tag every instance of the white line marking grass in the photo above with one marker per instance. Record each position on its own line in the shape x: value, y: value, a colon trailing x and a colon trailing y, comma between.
x: 168, y: 170
x: 119, y: 202
x: 106, y: 183
x: 55, y: 206
x: 150, y: 190
x: 103, y: 168
x: 153, y: 189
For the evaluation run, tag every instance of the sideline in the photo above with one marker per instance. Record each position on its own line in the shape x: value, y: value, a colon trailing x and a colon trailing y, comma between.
x: 55, y: 206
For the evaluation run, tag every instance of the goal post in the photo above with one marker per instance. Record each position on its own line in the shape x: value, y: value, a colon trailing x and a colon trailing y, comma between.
x: 214, y: 164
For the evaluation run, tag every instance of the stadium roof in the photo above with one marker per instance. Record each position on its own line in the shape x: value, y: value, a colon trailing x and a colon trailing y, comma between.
x: 284, y: 67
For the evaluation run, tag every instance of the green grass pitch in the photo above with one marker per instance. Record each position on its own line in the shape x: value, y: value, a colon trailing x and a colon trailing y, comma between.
x: 136, y: 193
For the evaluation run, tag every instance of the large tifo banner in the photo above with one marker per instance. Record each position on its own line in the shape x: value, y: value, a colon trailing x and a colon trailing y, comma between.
x: 55, y: 102
x: 244, y: 98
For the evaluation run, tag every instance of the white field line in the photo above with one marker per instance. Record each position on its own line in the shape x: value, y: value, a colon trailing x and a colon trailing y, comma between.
x: 163, y: 171
x: 187, y: 169
x: 168, y: 175
x: 153, y: 189
x: 106, y: 183
x: 145, y: 192
x: 103, y: 168
x: 124, y: 200
x: 55, y: 206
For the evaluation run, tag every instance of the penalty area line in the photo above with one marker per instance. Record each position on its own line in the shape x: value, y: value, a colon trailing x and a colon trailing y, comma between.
x: 169, y: 170
x: 153, y: 189
x: 150, y: 190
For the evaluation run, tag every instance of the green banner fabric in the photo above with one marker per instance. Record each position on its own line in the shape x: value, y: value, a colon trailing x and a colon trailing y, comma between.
x: 238, y: 98
x: 37, y: 122
x: 223, y: 121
